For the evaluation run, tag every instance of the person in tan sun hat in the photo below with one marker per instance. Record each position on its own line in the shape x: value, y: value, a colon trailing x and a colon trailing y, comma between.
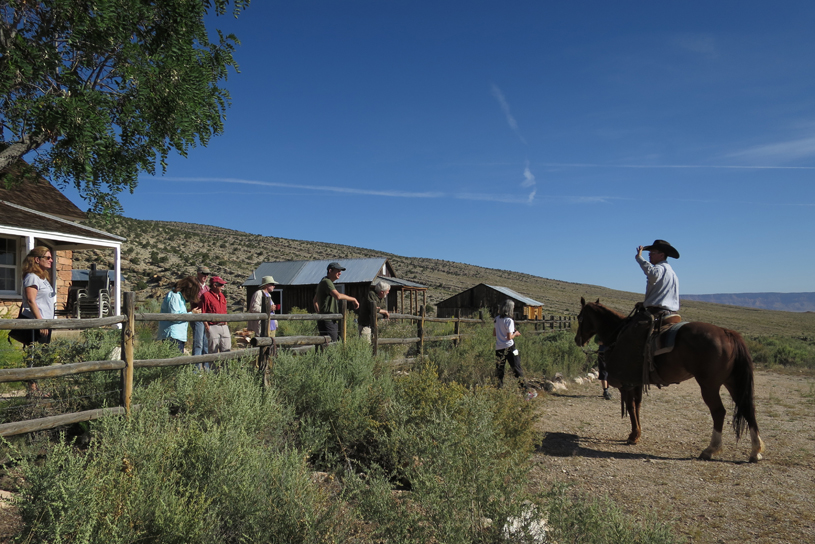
x: 662, y: 287
x: 267, y: 284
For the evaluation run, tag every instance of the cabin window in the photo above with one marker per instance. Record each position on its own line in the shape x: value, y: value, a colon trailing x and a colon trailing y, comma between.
x: 8, y: 265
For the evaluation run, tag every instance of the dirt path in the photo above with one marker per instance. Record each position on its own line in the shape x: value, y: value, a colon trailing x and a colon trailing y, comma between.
x: 721, y: 501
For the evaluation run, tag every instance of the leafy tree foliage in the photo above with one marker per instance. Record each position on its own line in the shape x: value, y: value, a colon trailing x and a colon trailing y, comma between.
x: 105, y: 89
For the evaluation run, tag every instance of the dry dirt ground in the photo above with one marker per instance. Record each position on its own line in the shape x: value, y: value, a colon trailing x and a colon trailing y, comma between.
x: 721, y: 501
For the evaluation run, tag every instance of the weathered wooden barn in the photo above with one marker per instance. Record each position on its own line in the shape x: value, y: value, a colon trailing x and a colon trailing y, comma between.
x: 297, y: 283
x: 492, y: 297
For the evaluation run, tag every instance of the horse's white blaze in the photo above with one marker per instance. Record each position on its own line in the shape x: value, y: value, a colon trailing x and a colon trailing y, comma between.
x: 758, y: 445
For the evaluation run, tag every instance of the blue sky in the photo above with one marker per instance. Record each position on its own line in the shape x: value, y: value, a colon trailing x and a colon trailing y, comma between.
x: 543, y: 137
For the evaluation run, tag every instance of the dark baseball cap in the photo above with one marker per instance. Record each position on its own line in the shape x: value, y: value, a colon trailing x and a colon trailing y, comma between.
x: 203, y: 270
x: 336, y: 266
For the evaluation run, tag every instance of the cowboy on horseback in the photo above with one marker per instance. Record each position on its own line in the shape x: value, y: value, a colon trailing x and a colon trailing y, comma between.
x: 662, y: 289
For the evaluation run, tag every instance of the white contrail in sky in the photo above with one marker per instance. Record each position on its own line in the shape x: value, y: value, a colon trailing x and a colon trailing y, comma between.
x: 529, y: 178
x: 502, y: 101
x: 346, y: 190
x: 787, y: 150
x: 725, y: 166
x: 529, y: 181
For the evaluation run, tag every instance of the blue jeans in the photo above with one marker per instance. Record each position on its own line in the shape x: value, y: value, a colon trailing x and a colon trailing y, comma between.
x: 199, y: 342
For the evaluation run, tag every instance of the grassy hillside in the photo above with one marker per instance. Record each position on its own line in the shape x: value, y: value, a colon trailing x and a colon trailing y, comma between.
x: 159, y: 252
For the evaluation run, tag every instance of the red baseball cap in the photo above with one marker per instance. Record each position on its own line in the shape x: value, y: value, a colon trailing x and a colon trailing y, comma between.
x: 216, y: 279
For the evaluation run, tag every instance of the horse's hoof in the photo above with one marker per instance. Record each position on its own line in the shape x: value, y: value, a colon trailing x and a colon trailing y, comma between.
x: 756, y: 458
x: 632, y: 441
x: 705, y: 456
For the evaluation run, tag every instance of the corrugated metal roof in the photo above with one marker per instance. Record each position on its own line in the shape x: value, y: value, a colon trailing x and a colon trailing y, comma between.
x: 311, y: 272
x: 403, y: 283
x: 517, y: 296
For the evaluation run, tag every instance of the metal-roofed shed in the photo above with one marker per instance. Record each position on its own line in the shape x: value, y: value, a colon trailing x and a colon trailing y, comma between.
x: 469, y: 302
x: 297, y: 282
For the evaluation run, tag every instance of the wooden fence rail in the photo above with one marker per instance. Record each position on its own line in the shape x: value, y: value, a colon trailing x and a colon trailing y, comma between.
x: 261, y: 348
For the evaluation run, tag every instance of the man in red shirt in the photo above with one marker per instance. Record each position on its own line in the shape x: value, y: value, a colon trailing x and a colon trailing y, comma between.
x: 199, y: 336
x: 214, y: 302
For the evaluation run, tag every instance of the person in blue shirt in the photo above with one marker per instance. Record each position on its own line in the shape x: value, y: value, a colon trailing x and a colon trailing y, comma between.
x: 184, y: 291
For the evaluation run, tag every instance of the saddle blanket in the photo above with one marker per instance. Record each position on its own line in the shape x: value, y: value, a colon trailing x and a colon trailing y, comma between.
x: 665, y: 340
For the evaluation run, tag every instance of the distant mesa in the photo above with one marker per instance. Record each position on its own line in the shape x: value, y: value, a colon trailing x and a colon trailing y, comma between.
x: 784, y: 302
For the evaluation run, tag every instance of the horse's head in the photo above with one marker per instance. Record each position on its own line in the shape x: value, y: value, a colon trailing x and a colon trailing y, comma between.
x: 586, y: 326
x: 596, y: 319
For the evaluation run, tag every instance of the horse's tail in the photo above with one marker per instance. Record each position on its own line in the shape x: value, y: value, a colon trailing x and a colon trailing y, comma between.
x: 743, y: 390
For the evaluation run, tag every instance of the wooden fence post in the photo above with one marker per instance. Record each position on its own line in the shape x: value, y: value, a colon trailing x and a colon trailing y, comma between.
x: 128, y: 334
x: 375, y: 333
x: 457, y: 326
x: 420, y: 332
x: 344, y: 320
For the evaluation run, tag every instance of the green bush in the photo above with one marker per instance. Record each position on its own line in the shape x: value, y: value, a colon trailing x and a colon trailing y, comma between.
x: 213, y: 467
x: 93, y: 389
x: 340, y: 395
x: 297, y: 328
x: 459, y: 459
x: 773, y: 351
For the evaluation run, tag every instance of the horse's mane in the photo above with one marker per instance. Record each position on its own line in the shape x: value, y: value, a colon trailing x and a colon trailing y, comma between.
x: 600, y: 308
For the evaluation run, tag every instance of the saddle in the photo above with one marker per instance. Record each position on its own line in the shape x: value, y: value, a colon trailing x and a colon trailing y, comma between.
x: 630, y: 359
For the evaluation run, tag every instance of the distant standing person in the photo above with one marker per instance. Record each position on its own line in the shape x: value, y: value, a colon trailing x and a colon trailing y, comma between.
x: 199, y: 337
x: 662, y: 287
x: 325, y: 300
x: 267, y: 284
x: 214, y: 302
x: 505, y: 348
x: 39, y: 296
x: 184, y: 291
x: 602, y: 372
x: 374, y: 304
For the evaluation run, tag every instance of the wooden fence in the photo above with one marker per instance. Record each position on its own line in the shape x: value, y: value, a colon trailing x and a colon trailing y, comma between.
x: 262, y: 348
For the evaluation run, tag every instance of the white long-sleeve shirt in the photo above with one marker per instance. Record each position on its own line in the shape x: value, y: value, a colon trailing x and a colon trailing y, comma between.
x: 662, y: 287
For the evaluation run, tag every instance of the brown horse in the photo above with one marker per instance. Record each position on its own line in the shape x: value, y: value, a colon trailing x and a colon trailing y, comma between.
x: 714, y: 356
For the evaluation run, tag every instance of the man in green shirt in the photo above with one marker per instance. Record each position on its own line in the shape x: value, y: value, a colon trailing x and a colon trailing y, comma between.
x: 325, y: 300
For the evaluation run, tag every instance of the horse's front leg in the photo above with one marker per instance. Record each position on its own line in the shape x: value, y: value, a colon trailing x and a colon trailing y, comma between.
x: 632, y: 399
x: 717, y: 411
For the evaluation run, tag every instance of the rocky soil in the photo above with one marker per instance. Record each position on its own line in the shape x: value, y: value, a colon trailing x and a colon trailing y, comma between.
x: 721, y: 501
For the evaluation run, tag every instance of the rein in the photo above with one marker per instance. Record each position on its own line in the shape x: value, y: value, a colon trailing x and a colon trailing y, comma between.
x: 622, y: 324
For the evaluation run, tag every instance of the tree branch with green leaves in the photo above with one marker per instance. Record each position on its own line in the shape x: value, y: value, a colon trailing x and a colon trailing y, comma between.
x: 103, y: 90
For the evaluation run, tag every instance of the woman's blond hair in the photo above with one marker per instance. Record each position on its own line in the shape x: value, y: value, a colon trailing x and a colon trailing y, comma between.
x: 30, y: 264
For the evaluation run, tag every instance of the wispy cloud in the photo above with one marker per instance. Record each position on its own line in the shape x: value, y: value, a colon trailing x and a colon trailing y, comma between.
x: 502, y: 101
x: 529, y: 178
x: 529, y: 181
x: 725, y: 166
x: 324, y: 188
x: 494, y: 198
x: 783, y: 151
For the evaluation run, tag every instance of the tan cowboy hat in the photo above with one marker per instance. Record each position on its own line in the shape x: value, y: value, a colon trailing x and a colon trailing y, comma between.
x: 266, y: 280
x: 664, y: 247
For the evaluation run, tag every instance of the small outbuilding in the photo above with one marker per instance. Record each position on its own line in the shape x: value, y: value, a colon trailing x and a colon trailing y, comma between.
x: 472, y: 300
x: 297, y: 283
